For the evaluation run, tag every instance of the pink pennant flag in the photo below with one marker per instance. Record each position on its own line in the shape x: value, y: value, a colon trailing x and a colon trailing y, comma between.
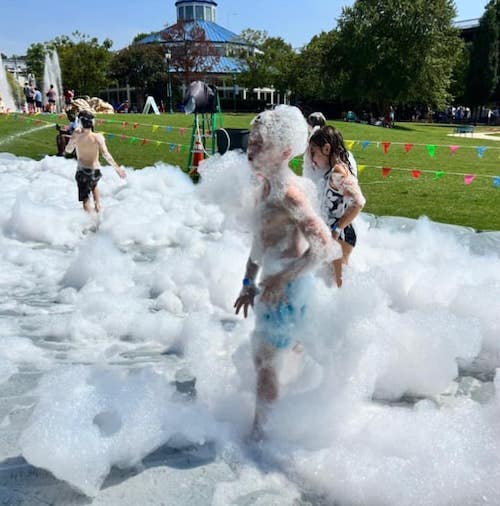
x: 123, y: 137
x: 183, y: 131
x: 387, y: 146
x: 386, y: 171
x: 468, y: 178
x: 408, y: 147
x: 416, y: 173
x: 454, y: 149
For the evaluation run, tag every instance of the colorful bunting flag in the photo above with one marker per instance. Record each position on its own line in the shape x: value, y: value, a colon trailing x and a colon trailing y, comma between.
x: 169, y: 129
x: 416, y: 173
x: 136, y: 125
x: 469, y: 178
x: 145, y: 141
x: 481, y: 150
x: 454, y: 149
x: 155, y: 128
x: 431, y: 148
x: 183, y: 131
x: 408, y: 147
x: 439, y: 174
x: 361, y: 168
x: 387, y: 146
x: 386, y: 171
x: 349, y: 145
x: 365, y: 144
x: 496, y: 181
x: 158, y: 143
x: 133, y: 140
x: 124, y: 124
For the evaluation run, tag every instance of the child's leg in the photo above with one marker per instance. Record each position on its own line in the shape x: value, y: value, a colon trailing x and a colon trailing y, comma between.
x: 337, y: 264
x: 97, y: 199
x: 86, y: 205
x: 267, y: 384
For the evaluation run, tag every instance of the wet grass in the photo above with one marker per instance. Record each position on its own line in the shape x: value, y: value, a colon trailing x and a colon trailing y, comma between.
x: 445, y: 199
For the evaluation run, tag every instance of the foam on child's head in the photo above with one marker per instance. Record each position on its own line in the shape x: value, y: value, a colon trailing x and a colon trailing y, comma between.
x: 285, y: 128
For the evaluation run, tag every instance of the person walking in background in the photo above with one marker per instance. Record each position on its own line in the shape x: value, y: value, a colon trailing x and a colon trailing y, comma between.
x: 51, y: 99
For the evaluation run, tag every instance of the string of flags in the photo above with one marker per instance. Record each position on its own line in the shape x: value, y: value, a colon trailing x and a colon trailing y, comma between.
x: 468, y: 178
x: 172, y: 147
x: 431, y: 148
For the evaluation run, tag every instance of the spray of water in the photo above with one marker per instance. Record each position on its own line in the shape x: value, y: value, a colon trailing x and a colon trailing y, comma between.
x: 52, y: 75
x: 5, y: 90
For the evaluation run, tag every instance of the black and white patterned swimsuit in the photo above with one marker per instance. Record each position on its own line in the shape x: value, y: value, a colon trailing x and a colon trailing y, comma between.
x: 335, y: 202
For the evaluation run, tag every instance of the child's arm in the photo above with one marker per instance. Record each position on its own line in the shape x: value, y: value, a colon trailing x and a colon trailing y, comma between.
x: 71, y: 146
x: 107, y: 155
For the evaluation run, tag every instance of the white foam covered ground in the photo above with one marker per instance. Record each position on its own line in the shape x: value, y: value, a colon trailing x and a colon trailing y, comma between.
x: 94, y: 326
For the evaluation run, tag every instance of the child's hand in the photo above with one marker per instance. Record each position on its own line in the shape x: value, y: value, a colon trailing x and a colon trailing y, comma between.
x: 245, y: 299
x: 121, y: 172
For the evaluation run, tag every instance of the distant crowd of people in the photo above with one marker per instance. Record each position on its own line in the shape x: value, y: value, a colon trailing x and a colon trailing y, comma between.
x: 36, y: 103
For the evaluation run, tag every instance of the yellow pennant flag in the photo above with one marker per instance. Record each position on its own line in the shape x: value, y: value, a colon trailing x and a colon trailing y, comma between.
x: 155, y: 128
x: 361, y: 168
x: 349, y: 145
x: 158, y: 143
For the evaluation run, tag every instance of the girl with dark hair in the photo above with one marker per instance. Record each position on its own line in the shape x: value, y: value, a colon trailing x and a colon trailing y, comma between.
x: 341, y: 198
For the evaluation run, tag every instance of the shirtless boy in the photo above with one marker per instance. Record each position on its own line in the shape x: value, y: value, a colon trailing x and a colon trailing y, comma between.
x: 88, y: 147
x: 289, y: 239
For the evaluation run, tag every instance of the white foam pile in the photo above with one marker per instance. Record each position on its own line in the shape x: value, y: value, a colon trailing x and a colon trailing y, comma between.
x: 392, y: 402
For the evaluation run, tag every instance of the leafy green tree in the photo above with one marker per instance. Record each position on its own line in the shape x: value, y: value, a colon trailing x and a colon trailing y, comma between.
x: 84, y: 61
x: 396, y: 51
x: 484, y: 72
x: 141, y: 65
x: 313, y: 81
x: 271, y: 65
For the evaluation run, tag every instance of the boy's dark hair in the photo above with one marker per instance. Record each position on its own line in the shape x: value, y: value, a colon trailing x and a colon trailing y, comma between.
x: 86, y: 119
x: 331, y: 135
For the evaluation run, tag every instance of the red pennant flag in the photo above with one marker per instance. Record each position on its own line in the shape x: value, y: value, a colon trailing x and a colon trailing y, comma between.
x: 386, y: 171
x: 387, y: 146
x: 38, y: 122
x: 100, y: 122
x: 416, y: 173
x: 144, y: 142
x: 136, y: 125
x: 124, y: 124
x: 183, y: 131
x: 408, y: 147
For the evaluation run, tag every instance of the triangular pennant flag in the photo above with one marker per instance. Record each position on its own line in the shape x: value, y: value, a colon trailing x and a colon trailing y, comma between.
x: 481, y: 150
x: 386, y: 171
x: 155, y: 128
x: 133, y: 140
x: 123, y: 137
x: 387, y: 146
x: 38, y: 122
x: 496, y: 181
x: 416, y: 174
x: 468, y: 178
x: 100, y: 122
x: 361, y: 168
x: 145, y: 141
x: 454, y: 149
x: 158, y: 143
x: 365, y: 144
x: 184, y: 148
x: 136, y: 125
x: 178, y: 148
x: 439, y: 174
x: 349, y: 145
x: 183, y: 131
x: 169, y: 129
x: 408, y: 147
x: 111, y: 136
x: 124, y: 124
x: 431, y: 148
x: 171, y: 147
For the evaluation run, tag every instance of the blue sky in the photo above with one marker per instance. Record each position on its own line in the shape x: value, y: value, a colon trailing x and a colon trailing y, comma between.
x: 26, y: 21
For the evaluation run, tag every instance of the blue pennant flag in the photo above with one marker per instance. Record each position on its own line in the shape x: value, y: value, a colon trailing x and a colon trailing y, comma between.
x: 496, y: 181
x: 365, y: 144
x: 481, y: 150
x: 169, y: 129
x: 111, y: 136
x: 171, y: 147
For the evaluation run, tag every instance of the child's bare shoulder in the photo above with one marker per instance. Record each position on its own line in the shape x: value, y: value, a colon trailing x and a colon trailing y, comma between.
x: 295, y: 195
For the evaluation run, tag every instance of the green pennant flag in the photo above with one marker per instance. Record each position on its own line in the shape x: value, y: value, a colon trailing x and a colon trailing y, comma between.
x: 431, y: 148
x: 133, y: 140
x: 439, y: 174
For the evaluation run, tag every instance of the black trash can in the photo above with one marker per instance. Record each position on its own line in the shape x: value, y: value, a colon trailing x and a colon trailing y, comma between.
x: 231, y: 138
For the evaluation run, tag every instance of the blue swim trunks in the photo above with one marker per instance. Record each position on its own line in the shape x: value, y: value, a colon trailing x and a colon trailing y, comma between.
x: 278, y: 325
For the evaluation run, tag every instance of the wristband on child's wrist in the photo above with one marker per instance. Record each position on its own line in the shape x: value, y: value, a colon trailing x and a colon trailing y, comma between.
x: 335, y: 228
x: 248, y: 282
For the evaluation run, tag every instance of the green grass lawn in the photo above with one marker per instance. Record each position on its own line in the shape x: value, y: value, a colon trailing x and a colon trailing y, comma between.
x: 447, y: 199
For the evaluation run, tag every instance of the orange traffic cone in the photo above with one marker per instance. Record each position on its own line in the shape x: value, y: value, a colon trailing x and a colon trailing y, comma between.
x: 198, y: 157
